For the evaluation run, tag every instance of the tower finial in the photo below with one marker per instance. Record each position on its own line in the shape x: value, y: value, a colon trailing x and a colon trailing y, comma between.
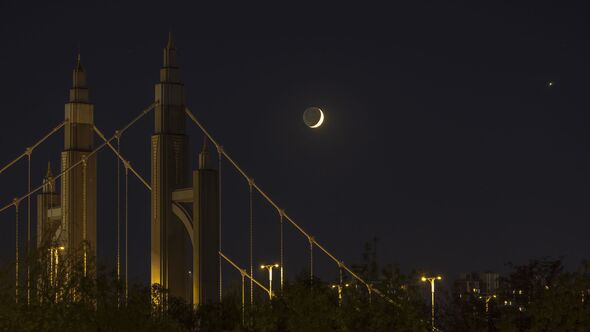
x: 78, y: 62
x: 78, y: 92
x: 169, y: 52
x: 170, y: 43
x: 204, y: 155
x: 49, y: 173
x: 49, y: 180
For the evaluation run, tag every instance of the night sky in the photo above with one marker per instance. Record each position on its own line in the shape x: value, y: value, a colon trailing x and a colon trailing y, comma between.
x: 442, y: 137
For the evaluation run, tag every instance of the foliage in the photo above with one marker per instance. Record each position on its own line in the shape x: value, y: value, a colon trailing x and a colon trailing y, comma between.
x: 534, y: 297
x: 67, y: 298
x: 538, y: 296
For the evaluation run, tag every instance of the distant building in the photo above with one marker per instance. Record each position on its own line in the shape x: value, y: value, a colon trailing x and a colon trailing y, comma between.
x: 476, y: 284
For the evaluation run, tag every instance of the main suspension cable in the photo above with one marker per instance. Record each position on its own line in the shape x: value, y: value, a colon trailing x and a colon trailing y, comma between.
x: 127, y: 167
x: 90, y: 154
x: 246, y: 274
x: 28, y: 152
x: 275, y: 205
x: 32, y: 147
x: 125, y: 162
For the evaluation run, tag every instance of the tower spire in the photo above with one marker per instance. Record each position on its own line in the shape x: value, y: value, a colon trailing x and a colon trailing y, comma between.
x: 78, y: 92
x: 170, y: 53
x: 204, y: 156
x: 170, y: 44
x: 78, y: 63
x: 49, y: 180
x: 49, y: 173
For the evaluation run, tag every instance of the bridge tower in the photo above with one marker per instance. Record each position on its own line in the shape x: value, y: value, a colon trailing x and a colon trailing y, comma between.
x: 206, y: 259
x: 170, y: 246
x: 184, y: 246
x: 48, y: 214
x: 78, y: 186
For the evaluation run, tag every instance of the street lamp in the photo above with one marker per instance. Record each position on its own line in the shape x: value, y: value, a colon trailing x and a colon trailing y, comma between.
x: 54, y: 262
x: 339, y: 287
x: 488, y: 298
x: 53, y: 267
x: 431, y: 280
x: 269, y: 267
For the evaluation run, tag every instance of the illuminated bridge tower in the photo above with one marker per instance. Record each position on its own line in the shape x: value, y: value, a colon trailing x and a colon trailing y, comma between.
x: 78, y: 186
x: 184, y: 245
x: 48, y: 212
x: 205, y: 230
x: 170, y: 246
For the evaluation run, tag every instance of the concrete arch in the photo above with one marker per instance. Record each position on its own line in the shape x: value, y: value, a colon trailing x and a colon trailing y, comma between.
x: 186, y: 219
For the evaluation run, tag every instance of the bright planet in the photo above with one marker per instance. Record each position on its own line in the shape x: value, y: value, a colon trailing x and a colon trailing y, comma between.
x: 313, y: 117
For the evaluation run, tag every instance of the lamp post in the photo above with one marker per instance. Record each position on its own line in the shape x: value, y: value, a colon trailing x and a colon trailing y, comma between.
x: 269, y: 267
x: 53, y: 267
x: 488, y: 298
x: 53, y: 263
x: 431, y: 280
x: 339, y: 287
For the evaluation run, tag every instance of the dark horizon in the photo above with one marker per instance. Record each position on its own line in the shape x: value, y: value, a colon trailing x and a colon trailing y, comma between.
x: 442, y: 138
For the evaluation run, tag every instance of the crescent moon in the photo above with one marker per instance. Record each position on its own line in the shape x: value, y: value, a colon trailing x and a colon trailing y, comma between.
x: 321, y: 120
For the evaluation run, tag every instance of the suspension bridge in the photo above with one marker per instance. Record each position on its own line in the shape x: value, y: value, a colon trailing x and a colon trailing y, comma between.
x: 186, y: 205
